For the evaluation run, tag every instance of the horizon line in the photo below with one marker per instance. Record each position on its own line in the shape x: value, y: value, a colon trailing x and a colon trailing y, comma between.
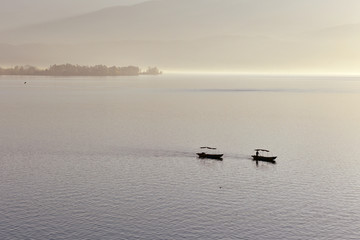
x: 259, y: 73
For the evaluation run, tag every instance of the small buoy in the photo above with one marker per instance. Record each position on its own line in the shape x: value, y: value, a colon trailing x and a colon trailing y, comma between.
x: 24, y: 82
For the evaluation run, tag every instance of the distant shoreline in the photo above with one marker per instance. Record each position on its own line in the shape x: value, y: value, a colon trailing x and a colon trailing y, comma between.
x: 71, y: 70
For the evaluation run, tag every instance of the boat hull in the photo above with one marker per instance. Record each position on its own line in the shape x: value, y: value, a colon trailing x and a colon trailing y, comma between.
x: 264, y: 159
x: 210, y: 156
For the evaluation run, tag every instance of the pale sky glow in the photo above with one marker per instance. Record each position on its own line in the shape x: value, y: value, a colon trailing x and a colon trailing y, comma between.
x: 236, y: 36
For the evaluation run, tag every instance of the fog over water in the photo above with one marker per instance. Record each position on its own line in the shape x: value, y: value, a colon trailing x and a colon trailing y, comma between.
x: 114, y: 157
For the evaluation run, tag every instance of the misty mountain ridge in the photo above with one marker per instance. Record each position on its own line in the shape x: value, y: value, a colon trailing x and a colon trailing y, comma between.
x: 347, y: 32
x: 197, y: 34
x: 25, y: 12
x: 186, y: 19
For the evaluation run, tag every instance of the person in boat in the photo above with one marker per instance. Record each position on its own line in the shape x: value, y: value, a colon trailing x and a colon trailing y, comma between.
x: 257, y: 153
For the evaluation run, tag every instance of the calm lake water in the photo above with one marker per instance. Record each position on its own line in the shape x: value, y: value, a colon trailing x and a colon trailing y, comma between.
x: 114, y: 158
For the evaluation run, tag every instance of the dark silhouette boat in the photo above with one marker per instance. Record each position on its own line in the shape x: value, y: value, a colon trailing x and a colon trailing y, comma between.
x: 259, y: 157
x: 210, y: 155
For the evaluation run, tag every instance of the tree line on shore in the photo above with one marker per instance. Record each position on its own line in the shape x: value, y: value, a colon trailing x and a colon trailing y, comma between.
x: 78, y: 70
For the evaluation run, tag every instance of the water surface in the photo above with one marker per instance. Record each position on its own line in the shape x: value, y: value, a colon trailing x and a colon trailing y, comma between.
x: 114, y: 158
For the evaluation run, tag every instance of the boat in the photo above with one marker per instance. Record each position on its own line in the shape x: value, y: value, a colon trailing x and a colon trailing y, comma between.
x: 210, y: 155
x: 258, y: 157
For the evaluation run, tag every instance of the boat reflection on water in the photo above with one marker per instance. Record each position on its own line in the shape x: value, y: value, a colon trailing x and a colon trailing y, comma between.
x: 215, y: 156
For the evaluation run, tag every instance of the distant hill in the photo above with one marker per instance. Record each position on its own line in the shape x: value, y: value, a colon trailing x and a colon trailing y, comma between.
x: 188, y: 19
x: 243, y: 35
x: 223, y: 53
x: 17, y: 13
x: 348, y: 32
